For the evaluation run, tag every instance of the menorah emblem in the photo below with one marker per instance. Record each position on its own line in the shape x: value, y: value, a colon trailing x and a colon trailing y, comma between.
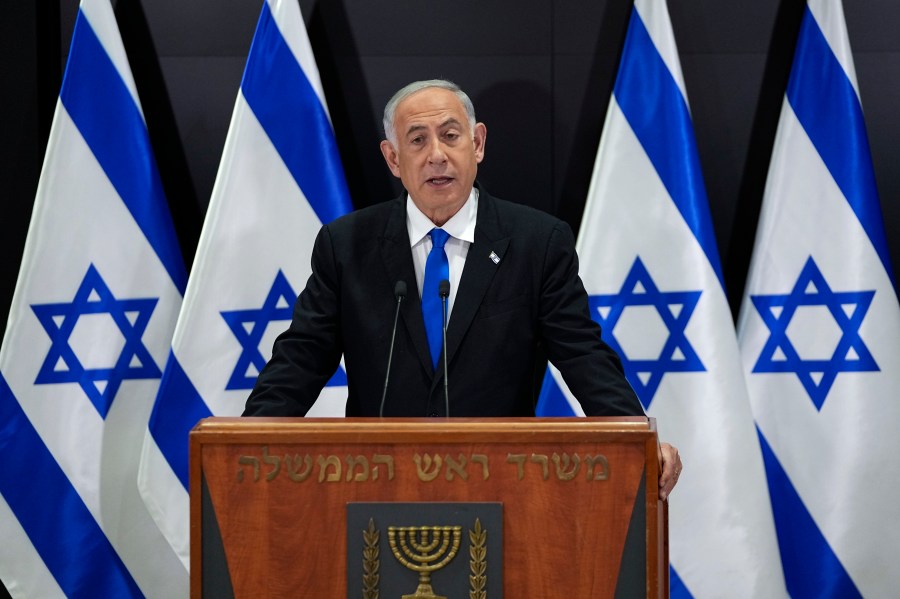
x: 420, y: 547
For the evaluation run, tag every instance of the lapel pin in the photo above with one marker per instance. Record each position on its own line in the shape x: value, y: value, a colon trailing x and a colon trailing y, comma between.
x: 495, y: 258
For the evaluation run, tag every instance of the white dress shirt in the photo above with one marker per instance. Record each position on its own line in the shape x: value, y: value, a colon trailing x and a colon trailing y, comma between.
x: 462, y: 234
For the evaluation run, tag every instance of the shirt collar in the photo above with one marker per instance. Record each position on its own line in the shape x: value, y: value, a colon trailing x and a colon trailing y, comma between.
x: 460, y: 226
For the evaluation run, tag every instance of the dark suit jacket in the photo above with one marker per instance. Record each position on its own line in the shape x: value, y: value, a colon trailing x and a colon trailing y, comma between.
x: 507, y: 319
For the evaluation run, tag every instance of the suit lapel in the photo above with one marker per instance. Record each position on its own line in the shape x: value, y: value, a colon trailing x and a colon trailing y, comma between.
x: 397, y: 257
x: 482, y: 261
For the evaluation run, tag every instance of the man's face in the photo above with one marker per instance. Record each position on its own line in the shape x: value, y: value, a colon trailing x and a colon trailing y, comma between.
x: 436, y: 155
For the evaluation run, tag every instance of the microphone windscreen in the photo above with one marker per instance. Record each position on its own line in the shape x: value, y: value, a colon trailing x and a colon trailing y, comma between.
x: 400, y: 289
x: 444, y: 288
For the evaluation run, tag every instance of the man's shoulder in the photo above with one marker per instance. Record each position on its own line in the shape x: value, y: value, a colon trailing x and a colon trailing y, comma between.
x: 522, y: 210
x: 366, y: 216
x: 515, y: 217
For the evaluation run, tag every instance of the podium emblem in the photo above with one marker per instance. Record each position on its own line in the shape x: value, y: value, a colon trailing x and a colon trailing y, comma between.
x: 425, y: 547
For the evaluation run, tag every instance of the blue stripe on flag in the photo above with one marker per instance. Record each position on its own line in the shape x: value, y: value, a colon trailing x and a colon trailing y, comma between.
x: 302, y: 136
x: 655, y: 109
x: 677, y: 588
x: 59, y: 525
x: 826, y: 104
x: 552, y: 401
x: 811, y: 569
x: 177, y: 409
x: 102, y: 108
x: 338, y: 379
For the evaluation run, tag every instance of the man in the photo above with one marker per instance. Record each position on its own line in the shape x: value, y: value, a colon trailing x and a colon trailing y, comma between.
x: 514, y: 297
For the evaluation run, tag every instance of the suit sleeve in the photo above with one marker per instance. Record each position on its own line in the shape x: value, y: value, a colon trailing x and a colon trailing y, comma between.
x: 591, y: 369
x: 307, y: 354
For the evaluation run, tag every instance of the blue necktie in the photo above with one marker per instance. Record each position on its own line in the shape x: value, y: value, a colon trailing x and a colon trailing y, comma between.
x: 437, y: 268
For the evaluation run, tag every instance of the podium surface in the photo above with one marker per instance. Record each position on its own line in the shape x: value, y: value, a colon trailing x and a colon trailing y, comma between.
x: 287, y: 507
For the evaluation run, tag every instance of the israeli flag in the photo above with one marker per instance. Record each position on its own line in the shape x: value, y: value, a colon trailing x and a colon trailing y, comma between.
x: 279, y: 180
x: 651, y: 267
x: 91, y: 321
x: 820, y: 332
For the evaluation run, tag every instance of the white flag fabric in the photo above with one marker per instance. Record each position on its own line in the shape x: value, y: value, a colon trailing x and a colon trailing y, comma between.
x: 89, y: 330
x: 651, y: 267
x: 820, y: 332
x: 279, y: 180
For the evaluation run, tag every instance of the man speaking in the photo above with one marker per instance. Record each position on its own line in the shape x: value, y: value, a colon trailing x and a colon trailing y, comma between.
x: 445, y: 301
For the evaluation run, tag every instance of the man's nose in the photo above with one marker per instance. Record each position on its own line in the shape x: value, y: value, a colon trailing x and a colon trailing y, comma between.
x: 436, y: 152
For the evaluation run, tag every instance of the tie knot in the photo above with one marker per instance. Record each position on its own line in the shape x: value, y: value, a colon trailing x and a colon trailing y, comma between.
x: 439, y: 237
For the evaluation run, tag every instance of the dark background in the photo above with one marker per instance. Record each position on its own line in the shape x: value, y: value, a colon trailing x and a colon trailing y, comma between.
x: 540, y: 73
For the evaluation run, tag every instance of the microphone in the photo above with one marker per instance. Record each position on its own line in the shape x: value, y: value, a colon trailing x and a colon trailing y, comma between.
x: 399, y: 293
x: 444, y: 292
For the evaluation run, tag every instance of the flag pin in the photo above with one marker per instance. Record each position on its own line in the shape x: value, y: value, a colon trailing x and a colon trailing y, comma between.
x: 495, y: 257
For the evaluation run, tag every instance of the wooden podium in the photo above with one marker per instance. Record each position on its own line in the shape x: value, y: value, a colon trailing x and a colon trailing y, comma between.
x: 577, y: 498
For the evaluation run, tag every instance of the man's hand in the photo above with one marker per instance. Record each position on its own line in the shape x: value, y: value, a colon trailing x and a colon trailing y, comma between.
x: 671, y: 469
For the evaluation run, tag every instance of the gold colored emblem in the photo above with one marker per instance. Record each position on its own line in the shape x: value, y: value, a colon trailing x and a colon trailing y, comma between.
x: 424, y: 549
x: 371, y: 563
x: 478, y: 561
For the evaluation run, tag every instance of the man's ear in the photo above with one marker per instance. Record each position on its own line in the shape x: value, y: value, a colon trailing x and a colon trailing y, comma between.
x: 479, y: 138
x: 390, y: 156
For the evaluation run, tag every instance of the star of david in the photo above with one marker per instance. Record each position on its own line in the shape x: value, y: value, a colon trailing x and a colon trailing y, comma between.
x: 62, y: 365
x: 674, y: 308
x: 848, y: 308
x: 249, y: 326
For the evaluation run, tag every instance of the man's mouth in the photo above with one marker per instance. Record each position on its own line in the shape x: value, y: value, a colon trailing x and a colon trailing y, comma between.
x: 440, y: 181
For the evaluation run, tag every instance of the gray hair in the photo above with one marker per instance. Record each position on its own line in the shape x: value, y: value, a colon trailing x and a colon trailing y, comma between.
x: 391, y: 107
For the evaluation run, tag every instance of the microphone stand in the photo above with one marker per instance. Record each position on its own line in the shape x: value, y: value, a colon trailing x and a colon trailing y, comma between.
x: 444, y: 290
x: 399, y: 293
